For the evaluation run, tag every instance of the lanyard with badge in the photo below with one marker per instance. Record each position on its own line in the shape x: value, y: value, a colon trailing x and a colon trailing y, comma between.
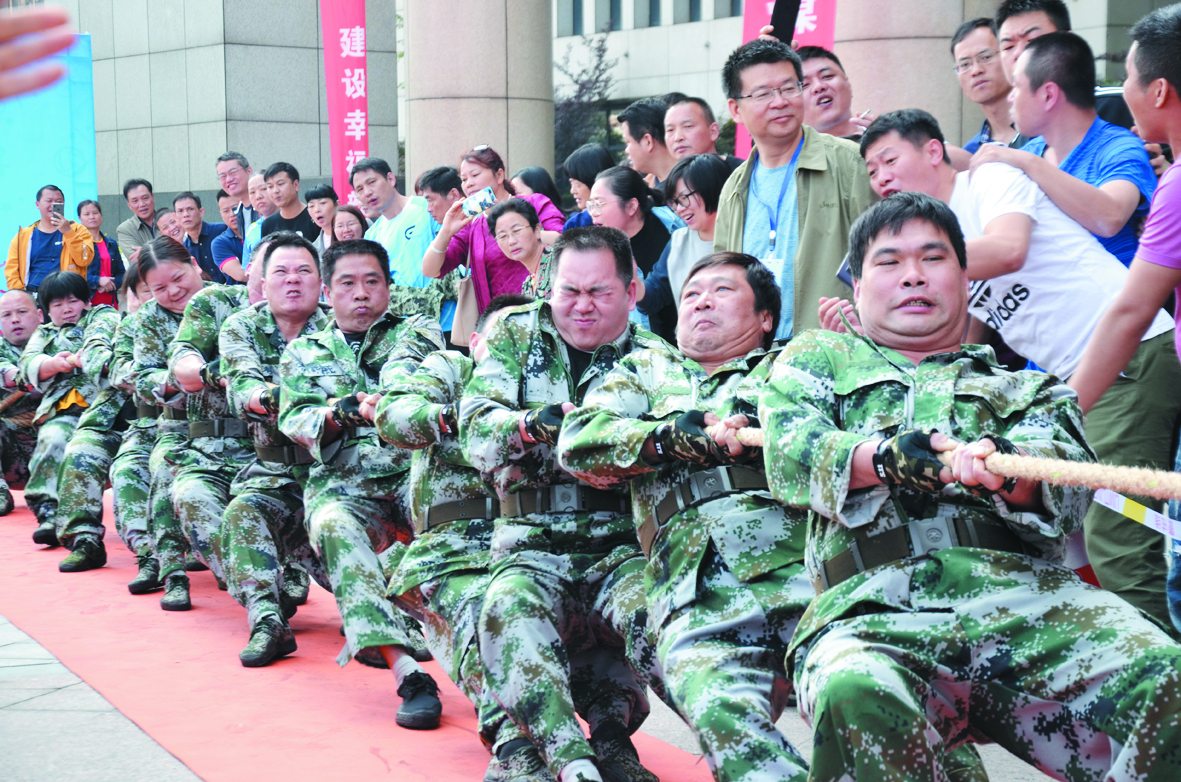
x: 773, y: 210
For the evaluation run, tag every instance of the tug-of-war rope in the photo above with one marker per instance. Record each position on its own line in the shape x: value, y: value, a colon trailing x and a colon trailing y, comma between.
x: 1129, y: 480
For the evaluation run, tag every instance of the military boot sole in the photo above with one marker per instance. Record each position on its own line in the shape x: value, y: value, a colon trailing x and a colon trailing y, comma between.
x: 138, y: 587
x: 92, y: 561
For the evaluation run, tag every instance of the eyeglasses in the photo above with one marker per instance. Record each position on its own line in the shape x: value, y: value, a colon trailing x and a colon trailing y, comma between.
x: 596, y: 207
x: 223, y: 176
x: 789, y: 90
x: 682, y: 201
x: 515, y: 232
x: 984, y: 58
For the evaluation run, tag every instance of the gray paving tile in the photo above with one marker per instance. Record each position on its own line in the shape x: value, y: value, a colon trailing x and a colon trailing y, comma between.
x: 9, y: 696
x: 23, y: 650
x: 77, y: 697
x: 37, y: 675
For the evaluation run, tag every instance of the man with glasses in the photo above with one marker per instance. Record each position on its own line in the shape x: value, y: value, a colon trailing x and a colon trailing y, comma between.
x: 800, y: 191
x: 984, y: 82
x: 233, y: 174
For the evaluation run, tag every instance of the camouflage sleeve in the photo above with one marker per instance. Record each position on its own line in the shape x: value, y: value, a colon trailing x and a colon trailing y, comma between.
x: 29, y: 365
x: 408, y: 413
x: 241, y: 366
x: 154, y: 383
x: 123, y: 355
x: 808, y: 457
x: 601, y: 441
x: 198, y: 330
x: 490, y: 412
x: 302, y: 402
x: 98, y: 346
x: 416, y: 338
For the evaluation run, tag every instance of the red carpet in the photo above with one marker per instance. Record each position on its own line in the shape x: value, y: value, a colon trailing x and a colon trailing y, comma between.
x: 177, y: 676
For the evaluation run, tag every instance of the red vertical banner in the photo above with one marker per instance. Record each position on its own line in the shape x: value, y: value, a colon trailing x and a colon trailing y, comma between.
x: 816, y: 25
x: 343, y: 23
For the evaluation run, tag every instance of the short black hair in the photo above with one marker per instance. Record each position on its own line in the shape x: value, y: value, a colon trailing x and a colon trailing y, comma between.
x: 54, y: 188
x: 627, y: 183
x: 1055, y: 9
x: 131, y: 184
x: 768, y: 297
x: 818, y: 53
x: 441, y: 180
x: 752, y: 53
x: 188, y: 194
x: 969, y: 27
x: 706, y: 111
x: 704, y: 174
x: 288, y: 239
x: 501, y: 302
x: 915, y: 125
x: 539, y: 181
x: 517, y: 205
x: 585, y: 163
x: 89, y: 202
x: 237, y: 157
x: 274, y: 169
x: 321, y: 191
x: 62, y: 285
x: 645, y: 117
x: 353, y: 247
x: 1066, y: 60
x: 1158, y: 46
x: 597, y: 237
x: 159, y: 251
x: 370, y: 164
x: 892, y: 214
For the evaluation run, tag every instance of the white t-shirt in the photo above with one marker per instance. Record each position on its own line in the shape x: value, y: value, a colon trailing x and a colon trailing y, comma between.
x: 1048, y: 309
x: 686, y: 247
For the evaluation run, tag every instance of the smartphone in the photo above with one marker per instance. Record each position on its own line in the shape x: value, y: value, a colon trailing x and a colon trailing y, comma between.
x: 475, y: 204
x: 783, y: 19
x: 58, y: 209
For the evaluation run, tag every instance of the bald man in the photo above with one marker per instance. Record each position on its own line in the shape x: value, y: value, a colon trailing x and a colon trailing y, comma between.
x: 19, y: 318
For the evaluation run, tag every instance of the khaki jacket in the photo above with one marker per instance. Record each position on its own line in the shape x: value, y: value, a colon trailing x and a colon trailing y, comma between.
x: 77, y: 253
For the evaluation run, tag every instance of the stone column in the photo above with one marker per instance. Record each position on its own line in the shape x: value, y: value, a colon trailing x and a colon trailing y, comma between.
x: 898, y: 56
x: 479, y: 73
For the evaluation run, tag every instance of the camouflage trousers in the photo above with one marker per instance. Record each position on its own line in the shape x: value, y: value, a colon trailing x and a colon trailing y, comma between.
x: 131, y: 479
x: 201, y: 495
x: 172, y: 546
x: 540, y: 611
x: 1067, y: 677
x: 724, y: 666
x: 347, y: 533
x: 83, y: 477
x: 262, y: 530
x: 45, y: 465
x: 17, y: 444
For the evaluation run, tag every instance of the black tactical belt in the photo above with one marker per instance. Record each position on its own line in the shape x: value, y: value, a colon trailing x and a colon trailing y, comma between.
x: 176, y: 413
x: 282, y: 454
x: 563, y: 498
x: 147, y: 411
x: 219, y: 427
x: 698, y: 488
x: 474, y: 508
x: 915, y: 539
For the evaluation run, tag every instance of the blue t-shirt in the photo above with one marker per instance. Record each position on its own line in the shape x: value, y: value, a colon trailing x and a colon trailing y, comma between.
x: 765, y: 187
x: 225, y: 246
x: 45, y: 256
x: 202, y: 250
x: 1110, y: 152
x: 406, y: 239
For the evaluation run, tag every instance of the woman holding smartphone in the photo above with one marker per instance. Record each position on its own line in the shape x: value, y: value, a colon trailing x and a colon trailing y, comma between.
x: 466, y: 240
x: 105, y: 273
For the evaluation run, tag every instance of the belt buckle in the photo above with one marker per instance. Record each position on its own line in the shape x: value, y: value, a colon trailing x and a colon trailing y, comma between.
x: 930, y: 535
x: 709, y: 484
x: 563, y: 498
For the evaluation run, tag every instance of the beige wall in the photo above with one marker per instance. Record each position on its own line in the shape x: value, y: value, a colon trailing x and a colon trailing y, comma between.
x: 464, y: 88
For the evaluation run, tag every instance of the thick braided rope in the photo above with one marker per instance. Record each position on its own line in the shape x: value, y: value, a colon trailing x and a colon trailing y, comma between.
x: 11, y: 399
x: 1126, y: 480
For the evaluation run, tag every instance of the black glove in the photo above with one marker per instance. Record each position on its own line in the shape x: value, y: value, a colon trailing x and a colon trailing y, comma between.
x: 907, y: 460
x: 685, y: 439
x: 1002, y: 446
x: 740, y: 406
x: 270, y: 400
x: 347, y: 412
x: 544, y: 423
x: 448, y: 421
x: 211, y: 374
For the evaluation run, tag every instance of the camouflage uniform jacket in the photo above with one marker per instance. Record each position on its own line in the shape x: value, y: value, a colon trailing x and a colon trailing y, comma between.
x: 601, y: 443
x: 104, y: 412
x: 251, y: 345
x: 528, y: 367
x: 830, y: 392
x: 198, y: 335
x: 9, y: 359
x: 154, y: 384
x: 97, y: 324
x: 408, y: 417
x: 322, y: 367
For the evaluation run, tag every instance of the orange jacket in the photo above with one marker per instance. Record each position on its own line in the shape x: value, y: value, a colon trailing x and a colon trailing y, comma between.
x: 77, y: 253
